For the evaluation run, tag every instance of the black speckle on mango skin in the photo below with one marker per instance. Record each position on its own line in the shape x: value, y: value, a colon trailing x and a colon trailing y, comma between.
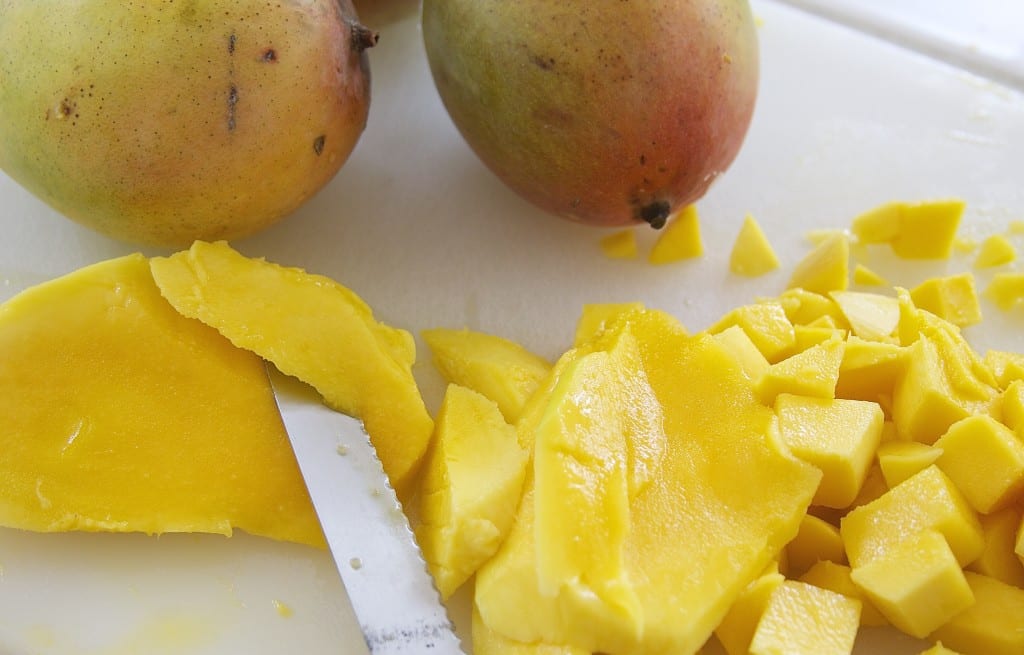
x: 318, y: 144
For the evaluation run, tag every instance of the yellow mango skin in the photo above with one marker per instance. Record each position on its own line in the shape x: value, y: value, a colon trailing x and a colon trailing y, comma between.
x: 163, y: 122
x: 119, y: 414
x: 471, y: 486
x: 499, y: 369
x: 722, y: 505
x: 994, y: 625
x: 315, y: 329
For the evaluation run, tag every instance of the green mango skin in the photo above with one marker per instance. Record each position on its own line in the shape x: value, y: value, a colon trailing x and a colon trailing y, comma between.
x: 606, y: 112
x: 162, y: 122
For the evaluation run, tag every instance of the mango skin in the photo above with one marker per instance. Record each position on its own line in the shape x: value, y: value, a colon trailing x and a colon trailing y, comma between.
x: 606, y: 113
x: 165, y: 122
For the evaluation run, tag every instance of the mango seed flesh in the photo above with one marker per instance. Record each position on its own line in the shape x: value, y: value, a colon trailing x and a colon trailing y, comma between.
x: 163, y: 123
x: 603, y: 113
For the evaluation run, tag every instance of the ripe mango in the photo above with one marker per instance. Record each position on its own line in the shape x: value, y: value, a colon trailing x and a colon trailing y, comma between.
x: 166, y: 122
x: 606, y: 113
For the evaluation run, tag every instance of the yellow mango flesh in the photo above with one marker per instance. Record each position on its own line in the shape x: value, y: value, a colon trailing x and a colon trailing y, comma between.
x: 735, y: 631
x: 993, y: 625
x: 119, y: 414
x: 498, y: 368
x: 620, y: 245
x: 836, y: 577
x: 471, y: 485
x: 680, y: 239
x: 314, y: 329
x: 752, y: 254
x: 723, y: 503
x: 826, y: 268
x: 802, y: 619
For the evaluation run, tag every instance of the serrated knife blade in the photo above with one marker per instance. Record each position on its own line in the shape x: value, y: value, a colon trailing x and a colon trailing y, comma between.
x: 393, y: 596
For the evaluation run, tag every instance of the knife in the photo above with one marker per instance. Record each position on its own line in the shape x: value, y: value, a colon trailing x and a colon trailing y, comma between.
x: 393, y: 596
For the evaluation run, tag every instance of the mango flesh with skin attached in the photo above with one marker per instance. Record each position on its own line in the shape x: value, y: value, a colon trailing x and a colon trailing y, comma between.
x: 163, y: 123
x: 603, y: 113
x: 119, y: 414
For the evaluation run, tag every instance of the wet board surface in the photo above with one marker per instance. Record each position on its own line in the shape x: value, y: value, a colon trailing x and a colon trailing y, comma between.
x: 428, y: 237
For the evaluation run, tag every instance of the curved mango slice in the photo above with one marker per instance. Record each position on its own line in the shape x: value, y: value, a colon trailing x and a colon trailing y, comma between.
x: 119, y: 414
x: 315, y: 329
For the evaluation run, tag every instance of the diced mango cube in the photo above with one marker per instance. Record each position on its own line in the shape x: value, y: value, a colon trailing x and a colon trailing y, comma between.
x: 767, y: 326
x: 924, y: 402
x: 802, y: 619
x: 870, y: 369
x: 985, y: 460
x: 816, y: 540
x: 838, y: 436
x: 952, y: 298
x: 871, y: 316
x: 680, y: 239
x: 836, y: 577
x: 803, y: 307
x: 826, y: 268
x: 996, y: 250
x: 926, y: 501
x: 471, y: 485
x: 752, y: 254
x: 866, y: 277
x: 999, y: 560
x: 620, y: 244
x: 1005, y: 366
x: 993, y: 625
x: 813, y: 372
x: 737, y: 628
x: 927, y: 229
x: 1011, y: 407
x: 1006, y: 290
x: 900, y: 460
x: 596, y: 317
x: 743, y: 350
x: 500, y: 369
x: 918, y: 584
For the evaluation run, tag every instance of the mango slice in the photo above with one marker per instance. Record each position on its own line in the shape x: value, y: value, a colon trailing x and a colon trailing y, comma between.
x: 723, y: 503
x: 472, y: 481
x: 752, y: 254
x: 119, y: 414
x: 315, y: 329
x: 500, y: 369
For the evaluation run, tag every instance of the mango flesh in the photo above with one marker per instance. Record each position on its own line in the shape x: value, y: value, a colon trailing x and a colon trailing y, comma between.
x: 119, y: 414
x: 605, y: 113
x: 162, y: 122
x: 315, y: 329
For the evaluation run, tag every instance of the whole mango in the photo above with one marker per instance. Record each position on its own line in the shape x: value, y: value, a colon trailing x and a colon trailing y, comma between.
x: 163, y: 122
x: 607, y: 113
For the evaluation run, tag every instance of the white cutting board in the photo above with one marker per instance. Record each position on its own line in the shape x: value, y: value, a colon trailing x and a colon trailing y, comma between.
x: 429, y: 238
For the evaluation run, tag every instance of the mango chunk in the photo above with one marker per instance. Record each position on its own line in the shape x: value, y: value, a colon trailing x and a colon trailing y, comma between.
x: 620, y: 245
x: 922, y: 230
x: 918, y: 584
x: 869, y: 369
x: 489, y: 642
x: 752, y: 254
x: 813, y: 372
x: 119, y: 414
x: 767, y: 326
x: 836, y: 577
x: 927, y: 500
x: 472, y: 481
x: 865, y: 276
x: 315, y: 329
x: 743, y: 350
x: 802, y: 619
x: 737, y: 628
x: 826, y: 268
x: 1011, y: 406
x: 500, y: 369
x: 1006, y: 290
x: 924, y: 402
x: 996, y: 250
x: 900, y: 460
x: 837, y: 436
x: 952, y: 298
x: 993, y: 625
x: 985, y: 460
x: 871, y: 316
x: 816, y: 540
x: 999, y: 560
x: 1005, y: 366
x: 699, y: 531
x: 678, y: 240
